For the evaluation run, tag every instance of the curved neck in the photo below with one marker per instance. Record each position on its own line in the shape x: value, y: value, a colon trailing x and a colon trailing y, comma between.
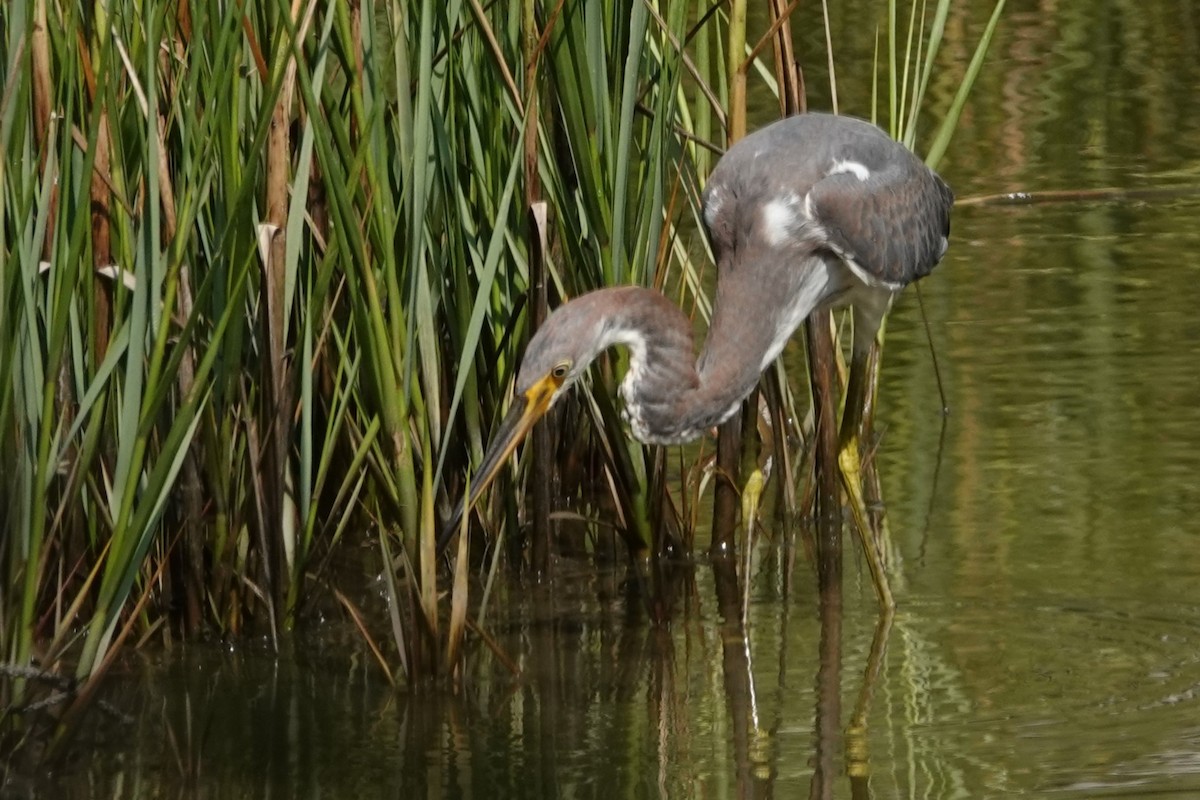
x: 670, y: 395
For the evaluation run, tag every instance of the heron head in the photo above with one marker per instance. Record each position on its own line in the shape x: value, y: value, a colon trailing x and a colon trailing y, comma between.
x: 557, y: 355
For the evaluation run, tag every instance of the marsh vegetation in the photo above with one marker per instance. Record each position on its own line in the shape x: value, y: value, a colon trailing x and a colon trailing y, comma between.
x: 266, y: 271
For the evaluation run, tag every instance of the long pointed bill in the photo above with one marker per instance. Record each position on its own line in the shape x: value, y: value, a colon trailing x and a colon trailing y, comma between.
x: 526, y: 410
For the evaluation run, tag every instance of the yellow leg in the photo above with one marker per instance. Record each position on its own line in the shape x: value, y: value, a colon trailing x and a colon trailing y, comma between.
x: 855, y: 410
x: 852, y: 480
x: 751, y: 497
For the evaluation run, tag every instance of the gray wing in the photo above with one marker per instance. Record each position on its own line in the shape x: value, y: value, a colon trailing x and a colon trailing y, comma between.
x: 865, y: 196
x: 889, y: 216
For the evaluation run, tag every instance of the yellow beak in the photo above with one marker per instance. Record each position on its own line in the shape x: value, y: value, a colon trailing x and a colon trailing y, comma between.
x: 526, y: 410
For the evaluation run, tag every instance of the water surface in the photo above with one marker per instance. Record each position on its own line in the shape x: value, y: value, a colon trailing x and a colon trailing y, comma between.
x: 1045, y: 534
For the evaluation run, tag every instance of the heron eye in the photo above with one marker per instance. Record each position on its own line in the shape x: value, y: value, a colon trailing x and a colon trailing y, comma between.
x: 560, y: 370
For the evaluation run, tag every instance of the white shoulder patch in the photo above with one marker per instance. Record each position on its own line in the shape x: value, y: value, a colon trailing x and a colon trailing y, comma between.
x: 780, y: 219
x: 713, y: 207
x: 855, y: 168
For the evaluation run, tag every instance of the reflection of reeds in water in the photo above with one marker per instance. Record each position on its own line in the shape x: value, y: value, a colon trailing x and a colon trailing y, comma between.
x: 265, y: 281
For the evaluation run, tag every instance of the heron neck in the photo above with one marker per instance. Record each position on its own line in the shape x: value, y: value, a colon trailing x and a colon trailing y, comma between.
x: 670, y: 396
x: 661, y: 380
x: 760, y: 303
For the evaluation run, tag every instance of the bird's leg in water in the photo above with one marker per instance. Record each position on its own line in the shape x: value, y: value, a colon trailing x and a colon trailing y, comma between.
x: 726, y: 485
x: 868, y: 444
x: 751, y: 498
x: 858, y: 420
x: 858, y: 410
x: 857, y: 415
x: 851, y: 469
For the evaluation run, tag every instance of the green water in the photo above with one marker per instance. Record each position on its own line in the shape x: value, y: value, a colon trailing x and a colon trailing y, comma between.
x: 1045, y: 534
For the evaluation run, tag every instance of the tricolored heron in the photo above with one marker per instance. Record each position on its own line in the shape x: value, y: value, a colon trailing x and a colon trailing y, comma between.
x: 812, y: 212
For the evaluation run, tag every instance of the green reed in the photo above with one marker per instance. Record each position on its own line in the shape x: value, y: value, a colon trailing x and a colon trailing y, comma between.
x: 265, y: 279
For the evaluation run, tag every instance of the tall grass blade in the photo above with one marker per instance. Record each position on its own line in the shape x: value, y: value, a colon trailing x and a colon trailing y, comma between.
x: 941, y: 140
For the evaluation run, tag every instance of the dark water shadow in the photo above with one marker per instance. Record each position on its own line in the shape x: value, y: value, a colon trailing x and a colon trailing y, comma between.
x: 837, y: 751
x: 613, y: 699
